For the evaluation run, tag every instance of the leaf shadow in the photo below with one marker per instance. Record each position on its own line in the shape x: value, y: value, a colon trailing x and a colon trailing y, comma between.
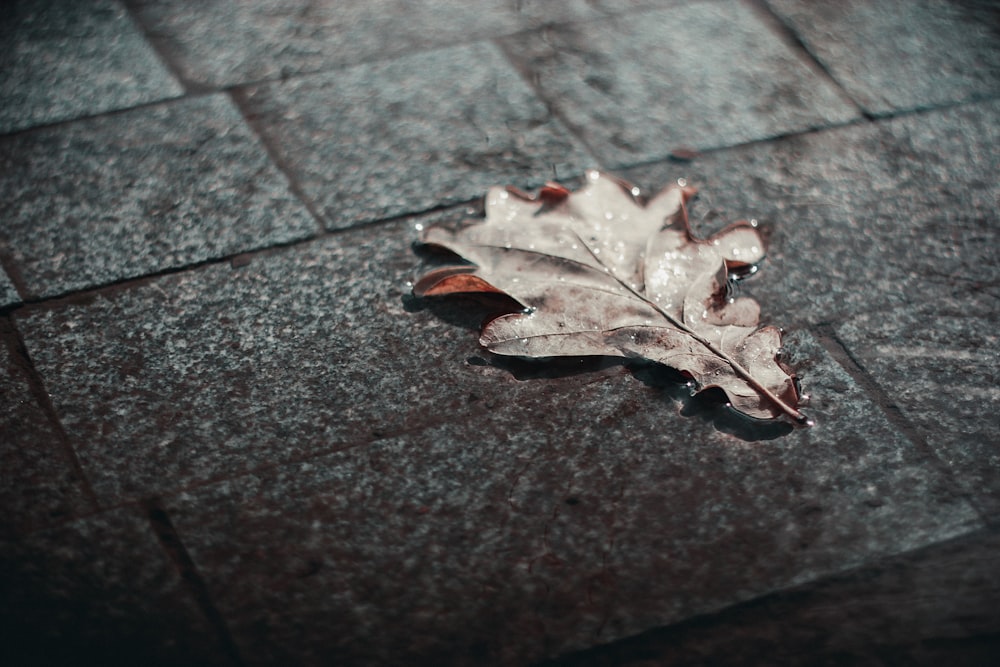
x: 547, y: 368
x: 474, y: 311
x: 469, y: 311
x: 709, y: 405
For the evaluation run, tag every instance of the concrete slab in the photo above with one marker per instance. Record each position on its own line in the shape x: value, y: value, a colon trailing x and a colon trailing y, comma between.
x: 63, y: 59
x: 99, y: 590
x: 222, y: 44
x: 151, y: 189
x: 404, y: 136
x: 862, y: 219
x: 637, y: 86
x: 939, y: 363
x: 39, y: 482
x: 897, y: 54
x: 553, y: 523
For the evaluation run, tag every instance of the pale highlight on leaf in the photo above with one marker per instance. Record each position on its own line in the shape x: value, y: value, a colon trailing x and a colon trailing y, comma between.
x: 601, y: 271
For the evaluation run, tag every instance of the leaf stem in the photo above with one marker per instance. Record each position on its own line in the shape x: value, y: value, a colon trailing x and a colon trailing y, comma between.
x: 736, y: 366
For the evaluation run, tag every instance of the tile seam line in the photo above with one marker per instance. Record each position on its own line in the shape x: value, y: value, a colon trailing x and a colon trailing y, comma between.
x: 722, y: 148
x: 831, y: 578
x: 37, y: 389
x: 108, y: 113
x: 30, y: 302
x: 9, y: 266
x: 860, y: 122
x: 238, y: 98
x: 787, y: 34
x: 948, y: 105
x: 524, y: 72
x: 175, y: 550
x: 827, y: 336
x: 977, y: 98
x: 201, y: 90
x: 59, y: 299
x: 154, y: 46
x: 199, y: 87
x: 791, y: 35
x: 69, y: 296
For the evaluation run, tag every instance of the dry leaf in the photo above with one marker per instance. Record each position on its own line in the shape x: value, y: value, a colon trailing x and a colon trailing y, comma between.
x: 603, y: 272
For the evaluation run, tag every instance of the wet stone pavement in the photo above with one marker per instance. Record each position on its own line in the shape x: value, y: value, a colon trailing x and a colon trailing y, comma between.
x: 230, y: 436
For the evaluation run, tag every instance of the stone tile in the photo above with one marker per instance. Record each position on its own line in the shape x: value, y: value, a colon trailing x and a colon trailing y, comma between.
x: 940, y: 363
x: 933, y: 606
x: 702, y: 75
x: 201, y: 374
x: 820, y: 500
x: 64, y: 59
x: 536, y: 13
x: 99, y: 591
x: 147, y: 190
x: 621, y: 6
x: 860, y: 219
x: 8, y: 293
x: 39, y: 483
x: 554, y: 522
x: 899, y: 54
x: 224, y: 43
x: 404, y: 136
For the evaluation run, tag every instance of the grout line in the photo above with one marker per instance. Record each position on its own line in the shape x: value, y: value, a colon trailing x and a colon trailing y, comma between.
x: 533, y: 81
x: 875, y: 121
x: 6, y: 262
x: 86, y: 293
x: 36, y: 386
x: 13, y: 271
x: 788, y: 34
x: 795, y: 41
x: 384, y: 56
x: 107, y: 113
x: 240, y: 100
x: 170, y: 540
x: 158, y: 47
x: 827, y: 337
x: 648, y: 644
x: 235, y: 258
x: 976, y: 98
x: 782, y: 136
x: 197, y: 89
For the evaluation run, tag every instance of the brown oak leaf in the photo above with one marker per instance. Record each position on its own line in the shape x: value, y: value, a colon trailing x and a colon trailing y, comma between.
x: 602, y: 271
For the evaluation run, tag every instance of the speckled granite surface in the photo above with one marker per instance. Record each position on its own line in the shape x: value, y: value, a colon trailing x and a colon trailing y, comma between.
x: 8, y: 293
x: 142, y: 191
x: 64, y: 59
x: 900, y: 54
x: 231, y: 436
x: 388, y: 138
x: 697, y: 75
